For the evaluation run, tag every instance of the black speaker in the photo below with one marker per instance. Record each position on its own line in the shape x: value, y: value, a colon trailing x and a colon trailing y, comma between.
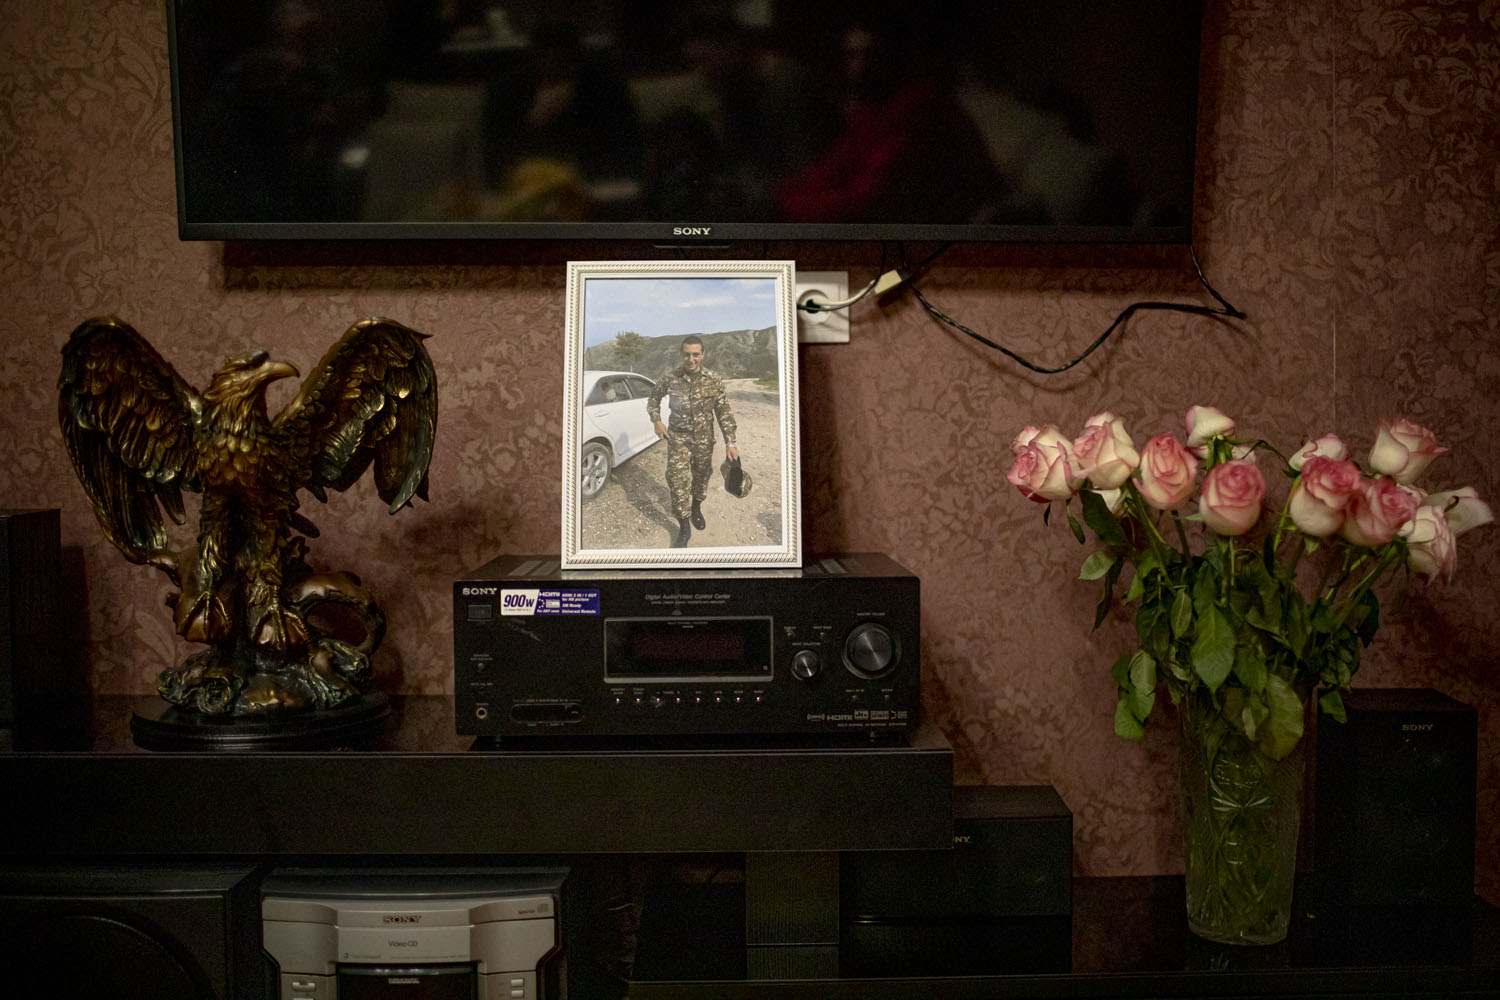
x: 29, y: 614
x: 176, y: 933
x: 1395, y: 801
x: 1000, y: 901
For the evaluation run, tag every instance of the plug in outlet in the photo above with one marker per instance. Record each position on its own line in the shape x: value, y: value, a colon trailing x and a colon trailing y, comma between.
x: 822, y: 327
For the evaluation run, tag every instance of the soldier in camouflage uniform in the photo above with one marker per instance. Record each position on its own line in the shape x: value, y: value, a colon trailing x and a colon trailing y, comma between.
x: 698, y: 399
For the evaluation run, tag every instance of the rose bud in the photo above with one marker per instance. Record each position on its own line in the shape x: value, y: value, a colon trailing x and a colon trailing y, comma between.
x: 1376, y: 512
x: 1431, y: 550
x: 1327, y: 446
x: 1403, y: 450
x: 1168, y: 471
x: 1103, y: 454
x: 1232, y: 496
x: 1321, y: 495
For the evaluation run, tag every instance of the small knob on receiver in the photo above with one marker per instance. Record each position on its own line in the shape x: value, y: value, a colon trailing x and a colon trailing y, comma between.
x: 806, y: 664
x: 870, y: 650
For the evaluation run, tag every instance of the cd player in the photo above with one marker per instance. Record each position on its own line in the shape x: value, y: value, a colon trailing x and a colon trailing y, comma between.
x: 828, y: 648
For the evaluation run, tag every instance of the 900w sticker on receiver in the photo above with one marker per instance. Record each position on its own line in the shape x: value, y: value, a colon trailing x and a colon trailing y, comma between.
x: 517, y: 601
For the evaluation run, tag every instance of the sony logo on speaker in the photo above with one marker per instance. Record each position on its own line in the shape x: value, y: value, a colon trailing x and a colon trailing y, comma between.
x: 402, y: 918
x: 962, y: 838
x: 1418, y: 727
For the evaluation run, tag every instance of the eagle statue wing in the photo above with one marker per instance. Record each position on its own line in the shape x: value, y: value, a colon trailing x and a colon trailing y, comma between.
x: 128, y: 420
x: 372, y: 398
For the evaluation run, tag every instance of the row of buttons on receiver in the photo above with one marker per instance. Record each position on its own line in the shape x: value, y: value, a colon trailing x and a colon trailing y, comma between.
x: 658, y: 700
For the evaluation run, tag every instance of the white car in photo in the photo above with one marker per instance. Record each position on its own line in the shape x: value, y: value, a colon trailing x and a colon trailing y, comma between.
x: 615, y: 427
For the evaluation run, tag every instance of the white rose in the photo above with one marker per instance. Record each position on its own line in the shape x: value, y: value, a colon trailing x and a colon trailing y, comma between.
x: 1462, y: 509
x: 1327, y: 446
x: 1204, y: 422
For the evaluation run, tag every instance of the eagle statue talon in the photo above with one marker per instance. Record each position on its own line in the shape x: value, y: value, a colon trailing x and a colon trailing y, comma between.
x: 280, y: 629
x: 139, y: 435
x: 203, y: 619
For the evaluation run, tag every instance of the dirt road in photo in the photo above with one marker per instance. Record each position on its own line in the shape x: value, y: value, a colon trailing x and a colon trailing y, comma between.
x: 634, y: 510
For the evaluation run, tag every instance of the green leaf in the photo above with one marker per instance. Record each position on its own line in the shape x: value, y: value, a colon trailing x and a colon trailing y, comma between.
x: 1213, y: 648
x: 1126, y: 724
x: 1250, y: 668
x: 1182, y: 614
x: 1145, y: 565
x: 1097, y: 516
x: 1368, y: 617
x: 1206, y: 586
x: 1295, y: 626
x: 1143, y: 684
x: 1283, y: 728
x: 1097, y: 565
x: 1145, y: 621
x: 1107, y: 599
x: 1077, y: 528
x: 1332, y: 704
x: 1121, y: 670
x: 1245, y: 711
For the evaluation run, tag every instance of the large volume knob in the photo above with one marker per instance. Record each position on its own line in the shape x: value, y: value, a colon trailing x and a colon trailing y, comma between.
x: 870, y: 650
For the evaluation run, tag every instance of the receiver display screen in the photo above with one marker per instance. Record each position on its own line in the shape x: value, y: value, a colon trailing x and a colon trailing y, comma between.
x: 687, y: 649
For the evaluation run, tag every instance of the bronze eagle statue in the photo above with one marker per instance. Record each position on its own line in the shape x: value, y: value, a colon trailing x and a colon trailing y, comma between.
x: 140, y: 436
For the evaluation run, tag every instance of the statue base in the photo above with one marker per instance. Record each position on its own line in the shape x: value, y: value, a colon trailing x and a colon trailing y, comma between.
x: 353, y: 724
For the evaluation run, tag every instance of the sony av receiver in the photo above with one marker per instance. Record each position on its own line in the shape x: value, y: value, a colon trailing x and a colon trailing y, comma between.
x: 831, y: 648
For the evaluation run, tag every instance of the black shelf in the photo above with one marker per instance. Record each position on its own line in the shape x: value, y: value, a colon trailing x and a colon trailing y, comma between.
x: 1127, y: 937
x: 79, y: 790
x: 86, y: 789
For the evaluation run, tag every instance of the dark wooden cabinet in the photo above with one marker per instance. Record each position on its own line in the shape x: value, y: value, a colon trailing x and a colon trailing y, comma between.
x: 80, y: 791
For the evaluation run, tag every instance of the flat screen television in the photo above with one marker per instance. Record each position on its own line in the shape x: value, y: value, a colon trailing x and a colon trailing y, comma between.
x: 1022, y: 121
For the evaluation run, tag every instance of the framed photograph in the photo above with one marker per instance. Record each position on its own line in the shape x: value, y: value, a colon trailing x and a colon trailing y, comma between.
x: 680, y: 410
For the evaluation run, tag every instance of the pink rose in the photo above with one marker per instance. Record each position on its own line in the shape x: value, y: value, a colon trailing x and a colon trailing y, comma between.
x: 1203, y: 423
x: 1321, y: 495
x: 1461, y: 508
x: 1431, y: 550
x: 1232, y: 496
x: 1376, y: 512
x: 1042, y: 462
x: 1327, y: 446
x: 1167, y: 472
x: 1103, y: 454
x: 1403, y: 450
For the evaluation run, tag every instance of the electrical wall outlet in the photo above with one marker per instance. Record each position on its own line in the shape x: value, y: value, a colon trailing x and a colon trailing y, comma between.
x: 822, y: 327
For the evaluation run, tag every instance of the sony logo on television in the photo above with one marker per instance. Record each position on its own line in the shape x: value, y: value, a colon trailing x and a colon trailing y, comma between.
x: 692, y: 230
x: 481, y: 591
x: 402, y: 918
x: 1418, y: 727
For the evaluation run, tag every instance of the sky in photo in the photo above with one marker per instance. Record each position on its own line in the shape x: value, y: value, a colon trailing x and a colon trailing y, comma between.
x: 660, y: 307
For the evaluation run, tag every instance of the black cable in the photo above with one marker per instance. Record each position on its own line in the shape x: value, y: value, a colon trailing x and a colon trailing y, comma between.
x: 1223, y: 309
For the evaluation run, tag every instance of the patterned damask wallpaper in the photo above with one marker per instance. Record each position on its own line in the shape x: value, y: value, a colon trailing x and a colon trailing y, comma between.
x: 1347, y: 202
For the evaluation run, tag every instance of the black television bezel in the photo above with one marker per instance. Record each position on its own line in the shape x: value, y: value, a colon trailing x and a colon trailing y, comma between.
x: 686, y: 232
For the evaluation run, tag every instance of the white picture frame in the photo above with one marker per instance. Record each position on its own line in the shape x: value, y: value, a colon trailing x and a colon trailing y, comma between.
x: 629, y: 329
